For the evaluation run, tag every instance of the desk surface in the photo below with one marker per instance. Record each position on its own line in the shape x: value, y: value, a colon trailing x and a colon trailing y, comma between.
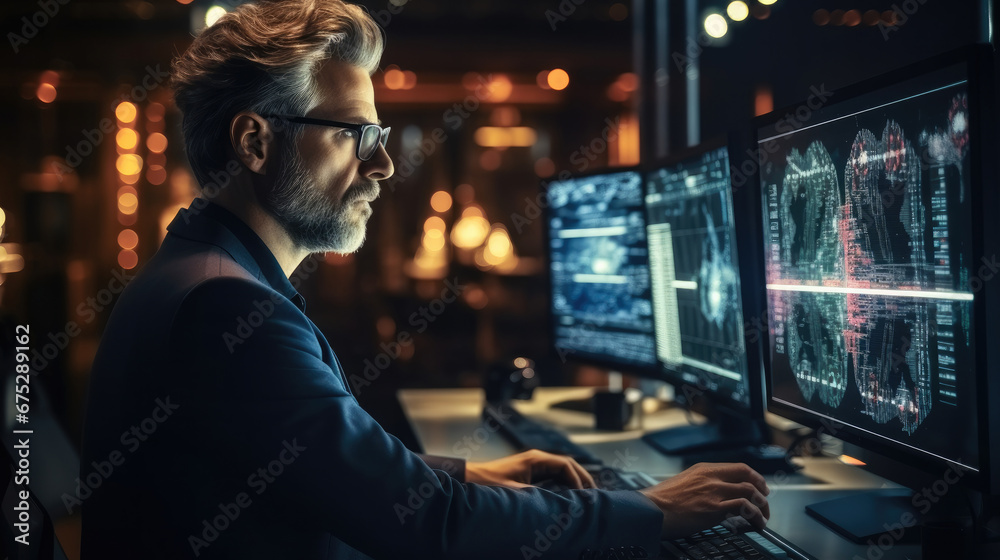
x: 448, y: 422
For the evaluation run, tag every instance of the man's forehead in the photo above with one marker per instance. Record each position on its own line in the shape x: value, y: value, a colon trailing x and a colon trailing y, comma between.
x: 345, y: 91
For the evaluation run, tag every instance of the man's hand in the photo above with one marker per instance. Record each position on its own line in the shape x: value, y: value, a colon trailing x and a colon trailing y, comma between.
x: 519, y: 471
x: 707, y: 494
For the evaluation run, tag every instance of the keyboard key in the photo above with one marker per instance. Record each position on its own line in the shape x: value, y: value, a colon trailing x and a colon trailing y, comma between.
x: 767, y: 545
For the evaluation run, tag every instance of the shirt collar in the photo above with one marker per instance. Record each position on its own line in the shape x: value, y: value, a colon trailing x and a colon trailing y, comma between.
x: 214, y: 224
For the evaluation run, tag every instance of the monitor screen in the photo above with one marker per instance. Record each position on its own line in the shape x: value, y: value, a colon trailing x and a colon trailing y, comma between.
x: 599, y: 270
x: 868, y: 232
x: 697, y: 304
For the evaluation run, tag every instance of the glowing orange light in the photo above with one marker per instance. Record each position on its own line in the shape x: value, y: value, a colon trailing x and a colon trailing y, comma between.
x: 499, y: 88
x: 127, y: 138
x: 156, y: 142
x: 433, y: 240
x: 129, y: 164
x: 128, y: 239
x: 184, y: 1
x: 127, y: 259
x: 128, y: 203
x: 46, y: 93
x: 505, y: 136
x: 441, y: 201
x: 558, y: 79
x: 848, y: 460
x: 126, y: 112
x: 434, y: 223
x: 763, y: 101
x: 471, y: 230
x: 128, y: 190
x: 394, y: 79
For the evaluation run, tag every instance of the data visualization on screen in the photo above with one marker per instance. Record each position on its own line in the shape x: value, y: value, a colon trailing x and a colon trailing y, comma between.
x: 599, y: 269
x: 869, y: 265
x: 695, y: 276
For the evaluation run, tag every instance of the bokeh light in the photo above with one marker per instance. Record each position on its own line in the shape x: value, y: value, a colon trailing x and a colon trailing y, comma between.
x: 558, y: 79
x: 441, y: 201
x: 128, y: 239
x: 125, y: 112
x: 716, y: 26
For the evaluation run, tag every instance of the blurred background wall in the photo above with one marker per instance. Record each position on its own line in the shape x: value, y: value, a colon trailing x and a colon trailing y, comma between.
x: 486, y: 99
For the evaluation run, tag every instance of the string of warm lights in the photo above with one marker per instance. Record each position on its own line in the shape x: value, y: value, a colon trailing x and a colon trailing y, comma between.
x: 129, y: 165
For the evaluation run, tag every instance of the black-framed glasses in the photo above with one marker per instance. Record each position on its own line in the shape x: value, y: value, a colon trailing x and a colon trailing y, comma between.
x: 369, y: 135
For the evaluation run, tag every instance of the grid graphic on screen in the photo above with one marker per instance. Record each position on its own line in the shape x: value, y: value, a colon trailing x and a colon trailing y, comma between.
x: 695, y: 278
x: 599, y: 268
x: 868, y: 252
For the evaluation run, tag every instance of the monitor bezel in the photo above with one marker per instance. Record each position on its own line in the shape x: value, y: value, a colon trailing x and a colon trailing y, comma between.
x: 976, y: 58
x: 744, y: 226
x: 575, y: 357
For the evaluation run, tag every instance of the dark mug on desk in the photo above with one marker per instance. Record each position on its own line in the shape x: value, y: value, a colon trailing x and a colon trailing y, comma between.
x: 618, y: 410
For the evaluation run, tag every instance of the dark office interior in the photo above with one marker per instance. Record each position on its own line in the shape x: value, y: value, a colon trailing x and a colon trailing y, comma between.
x: 488, y: 101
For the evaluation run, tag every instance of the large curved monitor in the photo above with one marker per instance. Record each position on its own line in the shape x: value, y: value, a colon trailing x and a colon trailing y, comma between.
x: 874, y: 254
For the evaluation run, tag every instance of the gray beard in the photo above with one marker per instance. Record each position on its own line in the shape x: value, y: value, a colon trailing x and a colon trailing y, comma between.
x: 313, y: 220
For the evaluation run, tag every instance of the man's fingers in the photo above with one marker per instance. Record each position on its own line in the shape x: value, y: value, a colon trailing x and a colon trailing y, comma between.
x: 748, y: 491
x: 745, y: 509
x: 585, y: 477
x: 569, y: 473
x: 740, y: 472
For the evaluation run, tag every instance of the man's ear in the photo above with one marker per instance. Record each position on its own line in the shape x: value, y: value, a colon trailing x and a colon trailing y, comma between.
x: 252, y: 138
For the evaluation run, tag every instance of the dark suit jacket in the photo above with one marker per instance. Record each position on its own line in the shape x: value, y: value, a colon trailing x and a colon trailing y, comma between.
x: 221, y: 425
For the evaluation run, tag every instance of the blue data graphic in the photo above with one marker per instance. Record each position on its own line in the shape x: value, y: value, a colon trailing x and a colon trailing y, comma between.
x: 599, y: 269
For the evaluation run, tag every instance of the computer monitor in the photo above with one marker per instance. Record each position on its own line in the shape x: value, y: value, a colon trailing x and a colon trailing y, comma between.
x: 598, y: 267
x: 701, y: 347
x: 877, y: 205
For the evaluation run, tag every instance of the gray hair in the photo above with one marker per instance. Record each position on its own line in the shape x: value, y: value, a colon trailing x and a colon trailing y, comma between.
x: 263, y: 57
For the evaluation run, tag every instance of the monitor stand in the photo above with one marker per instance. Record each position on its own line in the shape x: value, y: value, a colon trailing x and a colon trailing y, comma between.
x: 724, y: 431
x: 866, y: 516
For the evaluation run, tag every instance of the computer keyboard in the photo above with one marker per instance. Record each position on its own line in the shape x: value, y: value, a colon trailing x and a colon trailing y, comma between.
x: 607, y: 478
x: 526, y: 433
x: 721, y: 543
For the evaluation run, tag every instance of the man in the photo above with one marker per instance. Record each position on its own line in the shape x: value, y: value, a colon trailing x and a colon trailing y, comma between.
x: 220, y: 423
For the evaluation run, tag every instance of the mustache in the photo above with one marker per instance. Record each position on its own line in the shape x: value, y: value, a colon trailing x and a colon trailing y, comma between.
x: 365, y: 189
